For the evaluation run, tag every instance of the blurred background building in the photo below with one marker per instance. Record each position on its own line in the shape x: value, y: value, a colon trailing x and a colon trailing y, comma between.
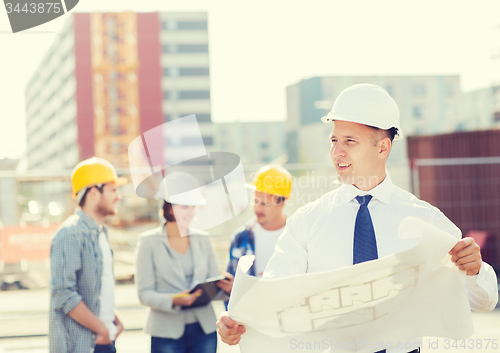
x: 9, y: 212
x: 110, y: 77
x: 257, y: 143
x: 481, y: 109
x: 427, y: 104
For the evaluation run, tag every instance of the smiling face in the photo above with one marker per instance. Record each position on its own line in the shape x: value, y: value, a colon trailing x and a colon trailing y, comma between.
x: 359, y: 153
x: 183, y: 215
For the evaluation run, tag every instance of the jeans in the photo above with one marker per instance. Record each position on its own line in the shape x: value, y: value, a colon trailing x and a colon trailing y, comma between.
x: 193, y: 340
x: 105, y: 348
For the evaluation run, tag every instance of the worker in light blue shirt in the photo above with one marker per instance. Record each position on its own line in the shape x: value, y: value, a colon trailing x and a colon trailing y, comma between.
x: 82, y: 308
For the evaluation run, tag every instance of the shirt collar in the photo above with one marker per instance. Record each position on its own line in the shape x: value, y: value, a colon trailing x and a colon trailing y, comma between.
x: 382, y: 192
x: 90, y: 223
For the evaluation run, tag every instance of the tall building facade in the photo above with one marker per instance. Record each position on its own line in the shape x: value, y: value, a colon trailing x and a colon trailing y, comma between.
x: 108, y: 77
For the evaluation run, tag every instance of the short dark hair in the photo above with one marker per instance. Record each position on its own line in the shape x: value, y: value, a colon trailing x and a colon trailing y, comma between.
x: 391, y: 133
x: 168, y: 212
x: 84, y: 197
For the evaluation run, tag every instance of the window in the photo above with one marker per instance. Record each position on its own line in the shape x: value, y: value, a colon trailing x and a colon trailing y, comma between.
x: 183, y: 141
x: 169, y: 48
x: 204, y: 118
x: 192, y: 48
x: 169, y: 25
x: 194, y: 95
x: 449, y: 90
x: 208, y: 140
x: 168, y: 95
x: 51, y: 96
x: 417, y: 112
x: 193, y: 71
x: 172, y: 25
x: 170, y: 71
x: 192, y: 25
x: 200, y: 117
x: 418, y: 90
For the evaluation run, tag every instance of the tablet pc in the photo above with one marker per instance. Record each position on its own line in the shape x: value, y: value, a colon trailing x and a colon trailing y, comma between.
x: 210, y: 290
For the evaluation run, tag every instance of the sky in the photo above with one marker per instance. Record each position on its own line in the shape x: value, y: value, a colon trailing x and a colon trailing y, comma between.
x: 259, y: 47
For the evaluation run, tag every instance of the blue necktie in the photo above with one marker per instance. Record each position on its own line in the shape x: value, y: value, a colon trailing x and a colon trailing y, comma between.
x: 365, y: 244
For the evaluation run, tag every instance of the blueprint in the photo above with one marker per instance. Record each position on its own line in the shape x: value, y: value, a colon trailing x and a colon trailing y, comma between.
x: 374, y: 305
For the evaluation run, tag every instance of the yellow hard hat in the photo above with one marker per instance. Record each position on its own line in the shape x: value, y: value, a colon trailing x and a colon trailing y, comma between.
x: 274, y: 180
x: 94, y: 171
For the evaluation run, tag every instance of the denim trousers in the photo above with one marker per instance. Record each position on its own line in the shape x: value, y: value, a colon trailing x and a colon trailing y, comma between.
x: 105, y: 348
x: 194, y: 340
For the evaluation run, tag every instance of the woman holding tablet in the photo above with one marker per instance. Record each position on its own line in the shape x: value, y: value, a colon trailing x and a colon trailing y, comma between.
x: 170, y: 260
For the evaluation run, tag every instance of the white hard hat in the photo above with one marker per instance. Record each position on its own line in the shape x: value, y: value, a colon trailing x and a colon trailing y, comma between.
x: 180, y: 188
x: 366, y: 104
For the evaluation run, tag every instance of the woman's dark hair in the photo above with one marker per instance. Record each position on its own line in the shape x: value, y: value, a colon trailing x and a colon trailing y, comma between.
x: 168, y: 212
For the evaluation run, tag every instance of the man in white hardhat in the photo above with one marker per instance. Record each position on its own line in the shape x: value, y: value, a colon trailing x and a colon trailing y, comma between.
x: 82, y: 307
x: 359, y: 221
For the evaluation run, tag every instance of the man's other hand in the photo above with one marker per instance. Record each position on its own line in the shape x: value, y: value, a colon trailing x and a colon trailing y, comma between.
x: 466, y: 254
x: 229, y: 330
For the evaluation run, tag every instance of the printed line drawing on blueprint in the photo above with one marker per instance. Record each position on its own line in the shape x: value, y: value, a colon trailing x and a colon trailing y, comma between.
x: 349, y: 305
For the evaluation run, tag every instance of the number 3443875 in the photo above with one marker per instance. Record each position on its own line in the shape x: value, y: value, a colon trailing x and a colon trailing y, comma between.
x: 473, y: 344
x: 48, y: 7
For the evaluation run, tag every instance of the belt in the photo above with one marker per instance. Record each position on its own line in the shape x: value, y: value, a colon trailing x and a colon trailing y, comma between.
x: 413, y: 351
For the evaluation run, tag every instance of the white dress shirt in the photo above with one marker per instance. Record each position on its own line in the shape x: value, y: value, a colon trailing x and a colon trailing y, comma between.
x: 107, y: 313
x: 319, y: 236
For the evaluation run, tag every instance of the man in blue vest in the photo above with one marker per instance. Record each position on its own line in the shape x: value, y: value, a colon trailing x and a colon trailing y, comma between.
x: 273, y: 186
